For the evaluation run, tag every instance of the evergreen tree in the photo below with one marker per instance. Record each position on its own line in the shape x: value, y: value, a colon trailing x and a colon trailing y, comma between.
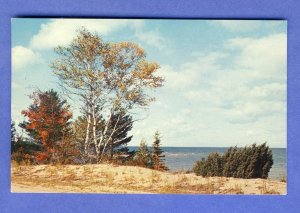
x: 21, y: 149
x: 48, y: 123
x: 125, y: 155
x: 157, y: 154
x: 119, y: 139
x: 143, y: 155
x: 87, y: 150
x: 117, y: 135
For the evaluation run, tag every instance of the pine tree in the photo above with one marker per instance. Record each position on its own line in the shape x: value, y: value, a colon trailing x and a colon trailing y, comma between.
x: 87, y: 150
x: 48, y: 123
x: 157, y: 154
x: 143, y: 155
x: 119, y: 139
x: 117, y: 133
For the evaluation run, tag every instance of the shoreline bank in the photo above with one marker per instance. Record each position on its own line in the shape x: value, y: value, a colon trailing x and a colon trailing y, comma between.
x: 107, y: 178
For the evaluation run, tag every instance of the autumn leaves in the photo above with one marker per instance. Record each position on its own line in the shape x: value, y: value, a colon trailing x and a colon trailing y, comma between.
x: 109, y: 79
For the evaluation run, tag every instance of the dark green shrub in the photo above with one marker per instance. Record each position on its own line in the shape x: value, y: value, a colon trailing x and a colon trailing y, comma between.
x: 210, y: 167
x: 248, y: 162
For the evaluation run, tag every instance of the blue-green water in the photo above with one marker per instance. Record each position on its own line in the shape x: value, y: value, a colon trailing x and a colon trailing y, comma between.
x: 183, y: 158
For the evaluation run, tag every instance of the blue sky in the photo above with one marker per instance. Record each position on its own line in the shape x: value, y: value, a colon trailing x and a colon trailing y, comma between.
x: 225, y: 79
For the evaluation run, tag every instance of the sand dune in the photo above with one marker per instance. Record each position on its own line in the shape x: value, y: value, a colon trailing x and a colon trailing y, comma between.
x: 106, y: 178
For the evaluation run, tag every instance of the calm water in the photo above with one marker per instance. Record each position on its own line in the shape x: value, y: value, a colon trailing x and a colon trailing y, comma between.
x: 183, y: 158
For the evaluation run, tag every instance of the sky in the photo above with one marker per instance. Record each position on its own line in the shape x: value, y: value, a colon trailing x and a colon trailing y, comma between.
x: 225, y: 80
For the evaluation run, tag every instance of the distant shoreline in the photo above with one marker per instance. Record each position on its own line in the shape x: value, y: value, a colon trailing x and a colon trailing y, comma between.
x: 183, y: 158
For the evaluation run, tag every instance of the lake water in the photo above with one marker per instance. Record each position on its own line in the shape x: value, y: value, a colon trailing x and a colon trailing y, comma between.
x: 183, y: 158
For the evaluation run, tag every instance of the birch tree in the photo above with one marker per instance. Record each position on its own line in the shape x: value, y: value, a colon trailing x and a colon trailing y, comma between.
x: 107, y: 77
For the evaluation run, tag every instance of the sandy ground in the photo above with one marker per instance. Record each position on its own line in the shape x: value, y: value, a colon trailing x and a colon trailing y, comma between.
x: 105, y: 178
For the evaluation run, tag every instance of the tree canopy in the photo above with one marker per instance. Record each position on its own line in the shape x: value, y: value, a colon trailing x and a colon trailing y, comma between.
x: 108, y: 78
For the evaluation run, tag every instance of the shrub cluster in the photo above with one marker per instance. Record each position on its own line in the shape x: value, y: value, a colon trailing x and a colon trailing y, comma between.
x: 22, y: 151
x: 253, y: 161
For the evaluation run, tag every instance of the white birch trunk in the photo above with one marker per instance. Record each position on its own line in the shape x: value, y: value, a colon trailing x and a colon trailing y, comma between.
x: 87, y: 136
x: 103, y: 137
x: 94, y: 130
x: 110, y: 137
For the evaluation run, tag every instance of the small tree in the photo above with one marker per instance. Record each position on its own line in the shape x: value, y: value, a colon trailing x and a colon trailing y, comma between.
x: 143, y: 155
x: 48, y: 123
x: 157, y: 154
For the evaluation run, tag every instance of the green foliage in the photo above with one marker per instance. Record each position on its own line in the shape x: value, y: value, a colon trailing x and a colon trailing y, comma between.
x: 124, y: 156
x: 248, y: 162
x: 143, y: 156
x: 21, y: 149
x: 210, y: 167
x: 122, y: 124
x: 157, y: 154
x: 24, y: 150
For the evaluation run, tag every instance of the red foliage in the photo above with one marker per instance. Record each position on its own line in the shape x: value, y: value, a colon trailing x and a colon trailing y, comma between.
x: 48, y: 119
x: 41, y: 156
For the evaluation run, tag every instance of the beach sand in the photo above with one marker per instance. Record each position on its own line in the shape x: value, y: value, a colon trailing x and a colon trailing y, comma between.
x: 108, y: 178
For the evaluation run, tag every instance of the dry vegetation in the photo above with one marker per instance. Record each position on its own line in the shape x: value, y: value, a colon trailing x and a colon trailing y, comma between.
x: 106, y: 178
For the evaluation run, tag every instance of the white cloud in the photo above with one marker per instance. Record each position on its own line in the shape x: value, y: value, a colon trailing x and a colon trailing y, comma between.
x: 152, y: 38
x: 193, y: 73
x: 62, y: 31
x: 271, y: 92
x: 250, y: 87
x: 177, y: 79
x: 23, y: 57
x: 264, y: 57
x: 244, y: 112
x: 172, y: 126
